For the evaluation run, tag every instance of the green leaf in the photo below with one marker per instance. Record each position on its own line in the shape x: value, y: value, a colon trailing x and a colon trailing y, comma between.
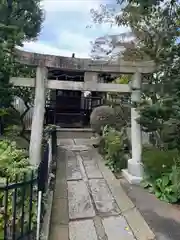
x: 159, y: 182
x: 164, y: 198
x: 165, y: 180
x: 158, y: 194
x: 173, y: 198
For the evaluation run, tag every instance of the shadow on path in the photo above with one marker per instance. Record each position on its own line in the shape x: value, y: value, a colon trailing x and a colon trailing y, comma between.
x: 163, y: 218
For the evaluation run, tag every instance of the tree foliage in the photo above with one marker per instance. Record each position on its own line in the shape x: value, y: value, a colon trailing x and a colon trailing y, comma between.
x: 142, y: 19
x: 23, y: 16
x: 155, y: 27
x: 19, y: 22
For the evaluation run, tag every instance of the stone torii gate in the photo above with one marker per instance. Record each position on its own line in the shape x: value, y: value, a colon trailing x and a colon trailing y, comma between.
x: 91, y: 70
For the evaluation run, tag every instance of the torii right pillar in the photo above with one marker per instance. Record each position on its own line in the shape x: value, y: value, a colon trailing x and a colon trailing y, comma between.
x: 135, y: 170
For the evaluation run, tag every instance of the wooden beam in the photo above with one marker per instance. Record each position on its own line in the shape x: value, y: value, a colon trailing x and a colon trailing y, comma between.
x: 71, y: 85
x: 80, y: 64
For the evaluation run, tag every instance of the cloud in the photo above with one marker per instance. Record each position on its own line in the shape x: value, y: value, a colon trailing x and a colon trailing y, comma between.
x: 70, y: 5
x: 65, y: 28
x: 75, y: 42
x: 46, y: 48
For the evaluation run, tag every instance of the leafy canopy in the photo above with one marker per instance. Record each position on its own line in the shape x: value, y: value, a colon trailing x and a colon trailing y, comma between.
x: 155, y: 32
x: 18, y: 23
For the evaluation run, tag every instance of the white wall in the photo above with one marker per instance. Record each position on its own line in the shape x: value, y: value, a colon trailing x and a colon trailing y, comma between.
x: 19, y: 105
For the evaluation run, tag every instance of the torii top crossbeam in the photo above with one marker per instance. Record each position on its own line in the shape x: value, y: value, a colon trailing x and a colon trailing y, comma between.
x: 84, y: 64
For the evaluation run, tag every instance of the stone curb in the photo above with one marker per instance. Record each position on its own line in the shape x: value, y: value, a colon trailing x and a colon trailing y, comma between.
x: 134, y: 218
x: 60, y: 228
x: 47, y: 218
x: 45, y: 231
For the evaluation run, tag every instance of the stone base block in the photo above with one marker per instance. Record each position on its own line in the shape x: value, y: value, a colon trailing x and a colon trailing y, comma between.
x: 130, y: 178
x: 135, y: 168
x: 134, y: 172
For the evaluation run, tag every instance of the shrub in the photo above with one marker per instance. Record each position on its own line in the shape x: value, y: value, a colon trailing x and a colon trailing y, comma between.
x: 100, y: 117
x: 12, y: 118
x: 157, y: 162
x: 14, y: 165
x: 162, y: 173
x: 13, y: 161
x: 166, y: 187
x: 114, y: 149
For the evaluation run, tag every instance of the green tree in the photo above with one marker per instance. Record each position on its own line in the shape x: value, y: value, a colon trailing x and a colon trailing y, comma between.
x: 18, y: 23
x: 156, y: 35
x: 155, y: 28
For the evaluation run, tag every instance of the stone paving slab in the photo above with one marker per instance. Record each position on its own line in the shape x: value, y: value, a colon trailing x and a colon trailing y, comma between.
x: 73, y: 169
x: 117, y: 228
x: 82, y: 141
x: 87, y: 141
x: 102, y: 197
x: 82, y: 230
x: 65, y: 142
x: 92, y: 169
x: 87, y: 155
x: 100, y: 231
x: 123, y: 201
x: 80, y: 205
x: 76, y: 148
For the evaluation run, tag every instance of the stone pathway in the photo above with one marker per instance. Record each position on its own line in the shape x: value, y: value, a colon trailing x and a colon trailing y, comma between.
x: 89, y: 202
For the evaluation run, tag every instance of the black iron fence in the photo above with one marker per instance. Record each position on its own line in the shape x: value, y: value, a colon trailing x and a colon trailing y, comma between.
x: 19, y: 198
x: 49, y: 154
x: 18, y: 203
